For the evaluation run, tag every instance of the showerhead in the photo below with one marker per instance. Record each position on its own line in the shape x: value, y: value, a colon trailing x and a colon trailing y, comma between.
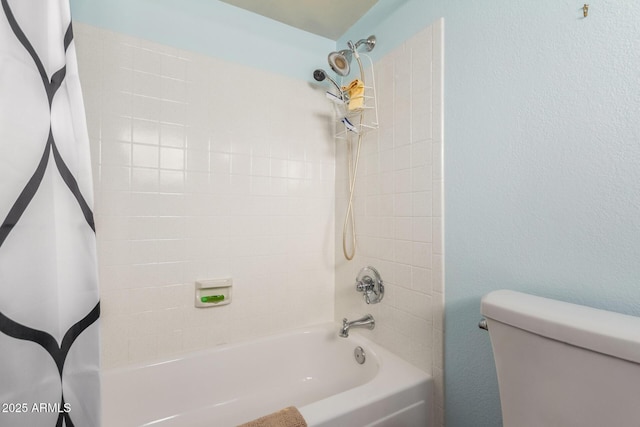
x: 339, y: 61
x: 320, y: 75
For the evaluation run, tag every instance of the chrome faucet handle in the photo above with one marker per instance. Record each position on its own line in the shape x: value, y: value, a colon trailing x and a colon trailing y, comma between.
x: 370, y: 284
x: 364, y: 285
x: 364, y: 288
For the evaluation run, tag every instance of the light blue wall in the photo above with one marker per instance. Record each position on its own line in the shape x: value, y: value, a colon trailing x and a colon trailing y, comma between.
x: 542, y: 164
x: 213, y: 28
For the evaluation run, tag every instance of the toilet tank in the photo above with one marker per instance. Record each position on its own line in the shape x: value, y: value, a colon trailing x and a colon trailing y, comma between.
x: 562, y: 364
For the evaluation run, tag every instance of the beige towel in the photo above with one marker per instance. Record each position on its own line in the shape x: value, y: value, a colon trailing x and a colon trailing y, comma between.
x: 287, y: 417
x: 355, y: 89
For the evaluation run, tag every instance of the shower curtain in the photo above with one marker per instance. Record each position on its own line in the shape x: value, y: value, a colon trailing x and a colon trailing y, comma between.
x: 49, y: 301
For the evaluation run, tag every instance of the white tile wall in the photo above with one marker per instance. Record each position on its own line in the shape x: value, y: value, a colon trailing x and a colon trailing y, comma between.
x: 398, y: 207
x: 204, y: 169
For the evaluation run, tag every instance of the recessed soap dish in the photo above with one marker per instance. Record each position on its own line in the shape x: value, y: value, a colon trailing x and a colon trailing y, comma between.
x: 213, y: 292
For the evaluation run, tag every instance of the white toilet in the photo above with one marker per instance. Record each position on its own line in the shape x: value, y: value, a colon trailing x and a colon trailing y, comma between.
x: 561, y: 364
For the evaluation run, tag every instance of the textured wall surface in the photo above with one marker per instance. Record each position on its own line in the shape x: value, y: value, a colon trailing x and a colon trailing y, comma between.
x: 542, y: 150
x: 398, y: 207
x: 204, y: 170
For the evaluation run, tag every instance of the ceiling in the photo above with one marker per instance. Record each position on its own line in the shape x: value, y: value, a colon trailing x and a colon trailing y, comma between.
x: 327, y: 18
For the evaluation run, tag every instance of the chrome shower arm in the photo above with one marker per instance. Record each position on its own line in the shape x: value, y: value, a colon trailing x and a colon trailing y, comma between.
x: 369, y: 41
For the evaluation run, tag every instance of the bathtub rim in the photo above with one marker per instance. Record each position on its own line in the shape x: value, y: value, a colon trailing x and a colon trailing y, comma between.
x: 394, y: 375
x: 328, y: 327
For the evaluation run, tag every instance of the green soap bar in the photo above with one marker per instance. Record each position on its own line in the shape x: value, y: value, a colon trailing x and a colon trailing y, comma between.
x: 212, y: 298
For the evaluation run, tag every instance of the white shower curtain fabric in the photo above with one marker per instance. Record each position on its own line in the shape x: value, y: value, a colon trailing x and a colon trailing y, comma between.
x: 49, y: 300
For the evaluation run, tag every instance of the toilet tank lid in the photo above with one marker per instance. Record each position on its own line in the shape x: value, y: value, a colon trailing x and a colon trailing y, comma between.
x: 603, y: 331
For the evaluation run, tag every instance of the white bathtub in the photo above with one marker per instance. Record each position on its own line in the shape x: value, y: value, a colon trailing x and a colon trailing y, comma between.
x: 312, y: 369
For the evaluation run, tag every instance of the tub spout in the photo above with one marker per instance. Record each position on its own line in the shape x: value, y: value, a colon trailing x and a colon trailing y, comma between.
x: 364, y: 322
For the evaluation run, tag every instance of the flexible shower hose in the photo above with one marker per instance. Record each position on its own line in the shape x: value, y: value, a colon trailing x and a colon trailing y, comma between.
x: 353, y: 172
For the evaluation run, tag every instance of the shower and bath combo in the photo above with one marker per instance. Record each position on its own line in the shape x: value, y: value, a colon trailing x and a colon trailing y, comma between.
x: 354, y: 100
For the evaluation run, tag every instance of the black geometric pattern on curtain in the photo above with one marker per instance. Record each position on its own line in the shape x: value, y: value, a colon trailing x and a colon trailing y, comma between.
x: 57, y: 351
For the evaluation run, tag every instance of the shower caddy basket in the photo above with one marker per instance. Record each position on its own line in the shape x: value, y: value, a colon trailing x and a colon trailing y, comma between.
x: 369, y: 109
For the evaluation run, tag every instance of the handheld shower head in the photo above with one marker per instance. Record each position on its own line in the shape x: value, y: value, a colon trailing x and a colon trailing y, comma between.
x: 320, y: 75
